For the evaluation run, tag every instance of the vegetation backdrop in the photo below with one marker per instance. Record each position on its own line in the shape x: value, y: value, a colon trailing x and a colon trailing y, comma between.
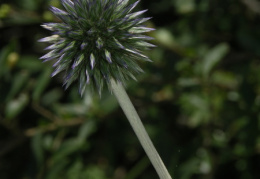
x: 199, y: 99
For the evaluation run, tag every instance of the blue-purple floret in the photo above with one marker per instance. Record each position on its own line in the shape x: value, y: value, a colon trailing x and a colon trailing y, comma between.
x: 96, y: 40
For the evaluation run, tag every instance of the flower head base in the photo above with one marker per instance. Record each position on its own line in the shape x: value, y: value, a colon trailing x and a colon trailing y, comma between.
x: 97, y: 40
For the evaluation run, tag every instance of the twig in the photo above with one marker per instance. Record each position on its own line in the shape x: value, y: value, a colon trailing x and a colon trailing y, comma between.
x: 44, y: 112
x: 53, y: 126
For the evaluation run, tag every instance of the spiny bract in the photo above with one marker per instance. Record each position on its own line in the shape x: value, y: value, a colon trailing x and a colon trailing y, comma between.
x: 97, y: 40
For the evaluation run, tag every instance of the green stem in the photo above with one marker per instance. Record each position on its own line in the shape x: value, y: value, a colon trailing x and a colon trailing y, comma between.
x: 139, y: 129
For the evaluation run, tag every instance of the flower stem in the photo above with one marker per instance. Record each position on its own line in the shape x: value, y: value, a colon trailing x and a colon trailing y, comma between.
x: 139, y: 129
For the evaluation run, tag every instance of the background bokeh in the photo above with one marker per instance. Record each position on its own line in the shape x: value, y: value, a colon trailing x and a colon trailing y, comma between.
x: 199, y: 99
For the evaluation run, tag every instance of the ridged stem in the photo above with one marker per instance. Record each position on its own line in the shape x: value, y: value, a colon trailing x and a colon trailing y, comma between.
x: 139, y: 129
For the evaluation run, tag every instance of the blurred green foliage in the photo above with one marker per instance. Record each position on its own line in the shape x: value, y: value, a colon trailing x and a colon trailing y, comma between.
x: 199, y: 99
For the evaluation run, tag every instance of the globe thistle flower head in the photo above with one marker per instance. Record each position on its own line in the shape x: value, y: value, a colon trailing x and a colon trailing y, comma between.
x: 97, y: 40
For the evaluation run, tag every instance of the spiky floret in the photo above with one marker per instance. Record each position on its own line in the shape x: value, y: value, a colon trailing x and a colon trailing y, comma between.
x: 97, y: 40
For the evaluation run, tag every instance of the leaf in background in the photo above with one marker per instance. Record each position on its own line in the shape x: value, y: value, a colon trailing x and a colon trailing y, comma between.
x: 31, y: 5
x: 108, y: 104
x: 48, y: 142
x: 37, y: 148
x: 188, y: 82
x: 18, y: 82
x: 70, y: 109
x: 30, y: 63
x: 11, y: 47
x: 51, y: 97
x: 189, y: 167
x: 86, y: 130
x: 42, y: 83
x: 196, y: 107
x: 16, y: 106
x: 138, y: 168
x: 57, y: 170
x: 94, y: 172
x: 184, y: 6
x: 165, y: 37
x: 74, y: 145
x: 67, y: 148
x: 75, y: 170
x: 213, y: 57
x: 225, y: 79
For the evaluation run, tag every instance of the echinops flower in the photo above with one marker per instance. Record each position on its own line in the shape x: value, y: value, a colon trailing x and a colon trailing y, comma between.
x: 97, y: 40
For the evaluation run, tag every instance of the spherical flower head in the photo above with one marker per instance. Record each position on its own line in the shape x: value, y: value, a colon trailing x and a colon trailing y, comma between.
x: 96, y: 41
